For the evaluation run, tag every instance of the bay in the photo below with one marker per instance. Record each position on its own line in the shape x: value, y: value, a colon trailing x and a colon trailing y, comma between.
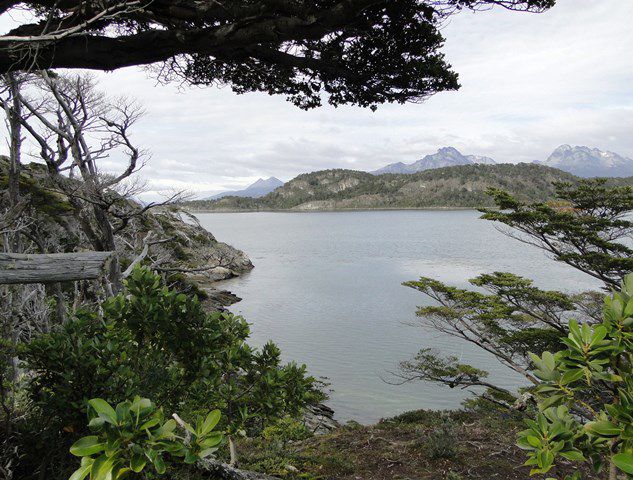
x: 326, y: 288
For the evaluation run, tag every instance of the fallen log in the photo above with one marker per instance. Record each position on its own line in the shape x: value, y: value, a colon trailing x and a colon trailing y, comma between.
x: 17, y: 268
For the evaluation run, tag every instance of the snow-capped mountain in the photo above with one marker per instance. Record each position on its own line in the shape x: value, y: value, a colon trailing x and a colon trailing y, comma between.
x: 589, y: 162
x: 444, y: 157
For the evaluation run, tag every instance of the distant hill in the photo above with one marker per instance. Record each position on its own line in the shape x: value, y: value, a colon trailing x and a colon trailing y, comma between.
x: 462, y: 186
x: 589, y: 162
x: 258, y: 189
x: 444, y: 157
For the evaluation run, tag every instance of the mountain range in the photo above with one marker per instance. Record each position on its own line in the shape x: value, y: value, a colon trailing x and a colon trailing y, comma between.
x: 578, y: 160
x: 444, y: 157
x: 258, y: 189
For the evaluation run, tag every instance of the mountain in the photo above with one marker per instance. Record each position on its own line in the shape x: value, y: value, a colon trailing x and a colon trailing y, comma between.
x: 258, y: 189
x: 481, y: 159
x: 462, y: 186
x: 589, y: 162
x: 444, y: 157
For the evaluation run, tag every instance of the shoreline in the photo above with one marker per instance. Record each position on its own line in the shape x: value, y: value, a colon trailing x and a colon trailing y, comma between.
x: 322, y: 210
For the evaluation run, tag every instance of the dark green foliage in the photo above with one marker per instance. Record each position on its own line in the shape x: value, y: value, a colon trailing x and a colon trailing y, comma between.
x: 441, y: 442
x: 587, y: 230
x: 572, y: 424
x: 154, y: 341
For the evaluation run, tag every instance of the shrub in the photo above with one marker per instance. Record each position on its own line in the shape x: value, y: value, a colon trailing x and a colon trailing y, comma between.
x: 157, y: 342
x: 586, y: 398
x: 136, y: 433
x: 441, y: 442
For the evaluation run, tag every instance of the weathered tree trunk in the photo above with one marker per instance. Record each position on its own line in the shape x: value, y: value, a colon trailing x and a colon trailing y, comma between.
x: 13, y: 114
x: 18, y: 268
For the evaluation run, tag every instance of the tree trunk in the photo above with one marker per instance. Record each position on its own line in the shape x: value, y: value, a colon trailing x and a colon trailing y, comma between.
x: 14, y: 113
x: 54, y: 267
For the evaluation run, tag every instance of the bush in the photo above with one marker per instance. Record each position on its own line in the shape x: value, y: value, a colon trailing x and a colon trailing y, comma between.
x: 441, y: 442
x: 586, y: 398
x: 156, y: 342
x: 135, y: 433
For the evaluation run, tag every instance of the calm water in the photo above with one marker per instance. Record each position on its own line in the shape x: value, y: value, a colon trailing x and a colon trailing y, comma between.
x: 327, y: 289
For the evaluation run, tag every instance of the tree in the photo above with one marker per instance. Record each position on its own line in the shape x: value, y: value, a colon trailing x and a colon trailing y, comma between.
x: 362, y: 52
x: 587, y: 228
x: 593, y: 356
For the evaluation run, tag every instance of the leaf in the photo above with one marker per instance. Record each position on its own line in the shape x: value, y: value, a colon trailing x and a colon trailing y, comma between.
x: 81, y: 473
x: 573, y: 455
x: 137, y: 462
x: 206, y: 452
x: 159, y: 464
x: 624, y: 461
x: 549, y: 401
x: 604, y: 428
x: 104, y: 409
x: 210, y: 422
x: 532, y: 440
x: 571, y: 376
x: 87, y: 446
x: 212, y: 440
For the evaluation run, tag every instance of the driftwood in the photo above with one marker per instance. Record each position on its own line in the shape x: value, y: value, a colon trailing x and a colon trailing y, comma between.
x: 18, y: 268
x: 226, y: 472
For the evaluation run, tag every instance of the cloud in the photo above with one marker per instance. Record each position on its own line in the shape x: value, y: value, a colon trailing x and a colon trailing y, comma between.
x: 529, y: 83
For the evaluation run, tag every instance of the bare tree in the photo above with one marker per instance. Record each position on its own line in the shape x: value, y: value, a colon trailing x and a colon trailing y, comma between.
x: 75, y: 127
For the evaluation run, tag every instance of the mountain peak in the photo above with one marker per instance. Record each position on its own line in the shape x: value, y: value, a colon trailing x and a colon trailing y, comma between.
x: 444, y: 157
x: 258, y: 189
x: 589, y: 162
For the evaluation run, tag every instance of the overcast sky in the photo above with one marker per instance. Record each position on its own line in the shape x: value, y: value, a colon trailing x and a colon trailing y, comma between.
x: 529, y: 83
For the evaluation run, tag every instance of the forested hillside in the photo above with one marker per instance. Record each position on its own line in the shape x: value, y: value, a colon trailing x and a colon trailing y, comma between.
x: 462, y: 186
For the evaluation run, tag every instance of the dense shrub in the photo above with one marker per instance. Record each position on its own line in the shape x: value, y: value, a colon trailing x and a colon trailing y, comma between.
x: 152, y: 341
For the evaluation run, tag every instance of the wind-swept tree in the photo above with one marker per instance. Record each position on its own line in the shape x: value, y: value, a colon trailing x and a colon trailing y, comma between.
x: 361, y: 52
x: 587, y: 228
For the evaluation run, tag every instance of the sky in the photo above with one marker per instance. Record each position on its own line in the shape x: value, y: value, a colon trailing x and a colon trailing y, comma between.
x: 530, y: 82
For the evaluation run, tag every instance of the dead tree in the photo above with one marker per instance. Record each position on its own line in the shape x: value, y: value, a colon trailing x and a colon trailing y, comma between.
x: 75, y: 126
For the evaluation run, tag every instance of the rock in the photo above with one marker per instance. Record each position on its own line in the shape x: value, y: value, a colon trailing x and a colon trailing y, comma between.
x: 223, y: 471
x: 319, y: 419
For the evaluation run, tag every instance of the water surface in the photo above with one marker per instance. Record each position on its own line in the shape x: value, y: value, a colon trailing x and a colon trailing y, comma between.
x: 327, y: 289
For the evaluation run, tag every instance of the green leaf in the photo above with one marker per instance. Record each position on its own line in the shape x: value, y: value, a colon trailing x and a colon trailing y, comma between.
x: 604, y: 428
x: 159, y: 464
x: 573, y: 455
x: 532, y: 440
x: 210, y: 422
x: 81, y: 473
x: 207, y: 452
x: 104, y: 409
x: 87, y: 446
x: 211, y: 440
x: 137, y: 462
x: 624, y: 461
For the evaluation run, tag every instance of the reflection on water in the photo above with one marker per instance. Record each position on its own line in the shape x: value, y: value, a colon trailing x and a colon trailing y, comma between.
x: 327, y: 289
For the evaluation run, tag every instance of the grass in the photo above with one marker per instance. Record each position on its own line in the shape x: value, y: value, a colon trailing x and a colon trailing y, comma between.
x: 417, y: 445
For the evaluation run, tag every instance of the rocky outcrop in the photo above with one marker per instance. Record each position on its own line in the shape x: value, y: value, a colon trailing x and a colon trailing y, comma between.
x: 319, y: 419
x: 180, y: 246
